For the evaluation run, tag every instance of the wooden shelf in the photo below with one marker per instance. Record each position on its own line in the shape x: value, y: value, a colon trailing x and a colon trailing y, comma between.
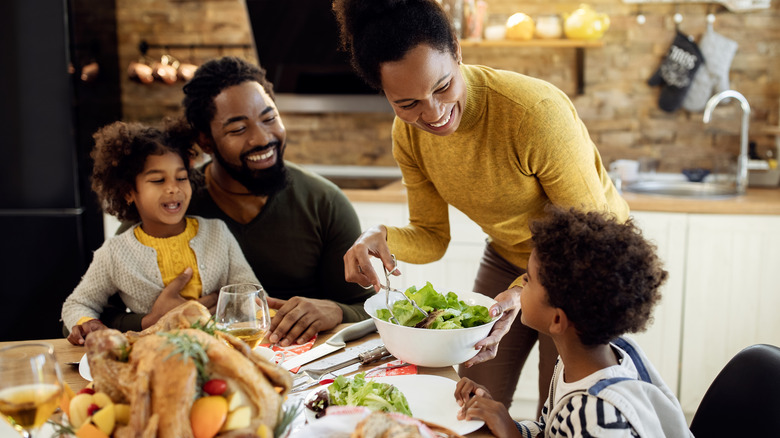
x: 578, y: 45
x: 562, y: 43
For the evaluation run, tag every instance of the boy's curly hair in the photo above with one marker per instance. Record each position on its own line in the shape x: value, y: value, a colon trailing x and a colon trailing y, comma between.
x: 601, y: 272
x: 120, y: 155
x: 378, y: 31
x: 210, y: 79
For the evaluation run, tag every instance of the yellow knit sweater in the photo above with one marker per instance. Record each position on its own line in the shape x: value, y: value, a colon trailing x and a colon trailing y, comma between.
x: 519, y: 146
x: 174, y: 255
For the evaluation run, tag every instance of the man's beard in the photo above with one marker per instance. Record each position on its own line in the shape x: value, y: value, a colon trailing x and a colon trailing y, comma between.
x: 262, y: 182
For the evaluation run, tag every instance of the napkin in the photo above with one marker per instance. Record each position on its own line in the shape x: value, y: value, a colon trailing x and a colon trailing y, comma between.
x: 285, y: 353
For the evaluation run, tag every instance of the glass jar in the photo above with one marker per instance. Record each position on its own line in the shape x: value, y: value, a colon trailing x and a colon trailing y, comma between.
x: 548, y: 26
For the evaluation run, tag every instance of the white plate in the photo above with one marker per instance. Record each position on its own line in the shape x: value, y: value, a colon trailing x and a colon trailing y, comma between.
x: 431, y: 398
x: 84, y: 368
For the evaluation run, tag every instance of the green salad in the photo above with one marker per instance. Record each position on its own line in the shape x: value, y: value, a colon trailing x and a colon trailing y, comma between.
x: 376, y: 396
x: 444, y: 311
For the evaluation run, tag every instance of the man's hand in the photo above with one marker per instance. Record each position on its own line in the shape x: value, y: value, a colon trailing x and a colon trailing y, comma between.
x: 507, y: 305
x: 298, y: 319
x: 78, y: 334
x: 169, y: 298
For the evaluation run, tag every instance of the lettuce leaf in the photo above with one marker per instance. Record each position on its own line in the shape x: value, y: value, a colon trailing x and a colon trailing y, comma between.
x: 376, y: 396
x: 456, y: 313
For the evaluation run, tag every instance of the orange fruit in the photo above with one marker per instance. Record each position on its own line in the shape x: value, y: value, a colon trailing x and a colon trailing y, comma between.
x: 207, y: 416
x: 89, y: 430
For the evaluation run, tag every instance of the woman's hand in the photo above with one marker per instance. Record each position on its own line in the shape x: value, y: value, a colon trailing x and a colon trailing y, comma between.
x: 508, y: 306
x: 357, y: 260
x: 78, y: 334
x: 298, y: 319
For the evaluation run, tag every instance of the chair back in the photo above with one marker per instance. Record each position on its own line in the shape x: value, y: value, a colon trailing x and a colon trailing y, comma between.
x: 744, y: 398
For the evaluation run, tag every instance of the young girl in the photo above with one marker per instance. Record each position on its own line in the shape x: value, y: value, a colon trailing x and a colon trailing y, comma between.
x: 142, y: 174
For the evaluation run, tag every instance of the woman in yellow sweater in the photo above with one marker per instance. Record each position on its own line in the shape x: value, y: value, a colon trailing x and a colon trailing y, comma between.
x: 494, y: 144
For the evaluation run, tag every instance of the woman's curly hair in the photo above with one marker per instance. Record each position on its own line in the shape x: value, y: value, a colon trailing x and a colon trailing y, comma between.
x: 378, y: 31
x: 210, y: 79
x: 120, y: 154
x: 604, y: 274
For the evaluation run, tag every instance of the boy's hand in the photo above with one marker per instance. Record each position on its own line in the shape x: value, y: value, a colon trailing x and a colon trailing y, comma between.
x: 467, y: 388
x: 477, y: 402
x: 493, y: 413
x: 78, y: 334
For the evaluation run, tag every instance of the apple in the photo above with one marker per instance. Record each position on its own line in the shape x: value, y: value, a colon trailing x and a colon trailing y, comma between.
x: 105, y: 419
x: 238, y: 419
x: 78, y: 409
x: 236, y: 400
x: 122, y: 413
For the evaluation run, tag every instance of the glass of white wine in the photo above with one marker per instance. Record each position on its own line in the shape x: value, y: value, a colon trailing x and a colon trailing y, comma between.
x: 242, y: 311
x: 30, y: 385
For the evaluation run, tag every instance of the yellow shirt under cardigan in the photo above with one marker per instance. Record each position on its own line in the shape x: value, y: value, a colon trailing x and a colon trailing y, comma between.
x: 174, y: 255
x: 519, y: 146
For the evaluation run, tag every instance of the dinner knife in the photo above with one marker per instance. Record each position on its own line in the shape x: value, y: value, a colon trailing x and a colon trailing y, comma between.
x: 335, y: 343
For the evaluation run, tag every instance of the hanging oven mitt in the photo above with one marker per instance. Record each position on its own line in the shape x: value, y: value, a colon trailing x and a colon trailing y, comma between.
x: 676, y: 72
x: 713, y: 76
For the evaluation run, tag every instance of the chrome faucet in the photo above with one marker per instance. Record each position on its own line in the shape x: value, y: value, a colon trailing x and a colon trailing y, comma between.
x: 742, y: 160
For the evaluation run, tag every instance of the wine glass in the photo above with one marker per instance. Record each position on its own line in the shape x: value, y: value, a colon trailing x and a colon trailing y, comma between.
x: 242, y: 311
x: 30, y: 385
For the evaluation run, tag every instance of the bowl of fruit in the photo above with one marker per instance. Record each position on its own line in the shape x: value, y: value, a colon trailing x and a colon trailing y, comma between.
x: 446, y: 337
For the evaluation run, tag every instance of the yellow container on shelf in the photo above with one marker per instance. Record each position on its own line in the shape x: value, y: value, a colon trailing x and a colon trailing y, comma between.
x: 520, y: 26
x: 585, y: 24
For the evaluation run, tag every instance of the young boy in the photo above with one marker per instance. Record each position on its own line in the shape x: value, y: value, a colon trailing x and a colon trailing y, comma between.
x: 590, y: 279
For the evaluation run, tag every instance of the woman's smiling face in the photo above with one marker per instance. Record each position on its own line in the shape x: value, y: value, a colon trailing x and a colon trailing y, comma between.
x: 426, y: 89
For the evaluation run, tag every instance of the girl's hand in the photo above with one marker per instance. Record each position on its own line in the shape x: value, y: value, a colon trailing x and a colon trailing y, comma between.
x: 78, y: 334
x: 169, y: 298
x: 357, y: 260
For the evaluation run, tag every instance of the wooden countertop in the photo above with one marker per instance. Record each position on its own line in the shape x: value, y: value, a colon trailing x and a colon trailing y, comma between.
x: 764, y: 201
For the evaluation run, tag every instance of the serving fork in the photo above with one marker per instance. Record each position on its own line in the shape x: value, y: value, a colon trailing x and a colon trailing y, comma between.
x: 388, y: 289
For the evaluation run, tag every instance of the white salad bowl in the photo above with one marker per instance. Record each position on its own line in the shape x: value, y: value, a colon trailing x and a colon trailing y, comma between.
x: 430, y: 347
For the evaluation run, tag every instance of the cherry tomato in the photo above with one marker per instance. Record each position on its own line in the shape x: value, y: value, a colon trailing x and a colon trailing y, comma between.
x: 215, y: 387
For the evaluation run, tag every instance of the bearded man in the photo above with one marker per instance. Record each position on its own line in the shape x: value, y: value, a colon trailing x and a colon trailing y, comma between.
x: 292, y: 225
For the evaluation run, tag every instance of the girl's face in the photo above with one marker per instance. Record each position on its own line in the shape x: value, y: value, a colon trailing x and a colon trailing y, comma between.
x: 426, y: 89
x: 536, y: 312
x: 162, y: 194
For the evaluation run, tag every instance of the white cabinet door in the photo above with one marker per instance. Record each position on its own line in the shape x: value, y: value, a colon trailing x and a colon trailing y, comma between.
x: 732, y: 295
x: 453, y: 272
x: 661, y: 341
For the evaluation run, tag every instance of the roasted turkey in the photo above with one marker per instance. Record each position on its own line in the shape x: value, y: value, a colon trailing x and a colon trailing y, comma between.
x: 157, y: 372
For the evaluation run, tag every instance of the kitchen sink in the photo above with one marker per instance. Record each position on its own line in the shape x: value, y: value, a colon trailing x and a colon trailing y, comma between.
x: 683, y: 189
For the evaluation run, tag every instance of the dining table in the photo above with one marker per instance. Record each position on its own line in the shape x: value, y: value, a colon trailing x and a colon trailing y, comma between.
x: 68, y: 357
